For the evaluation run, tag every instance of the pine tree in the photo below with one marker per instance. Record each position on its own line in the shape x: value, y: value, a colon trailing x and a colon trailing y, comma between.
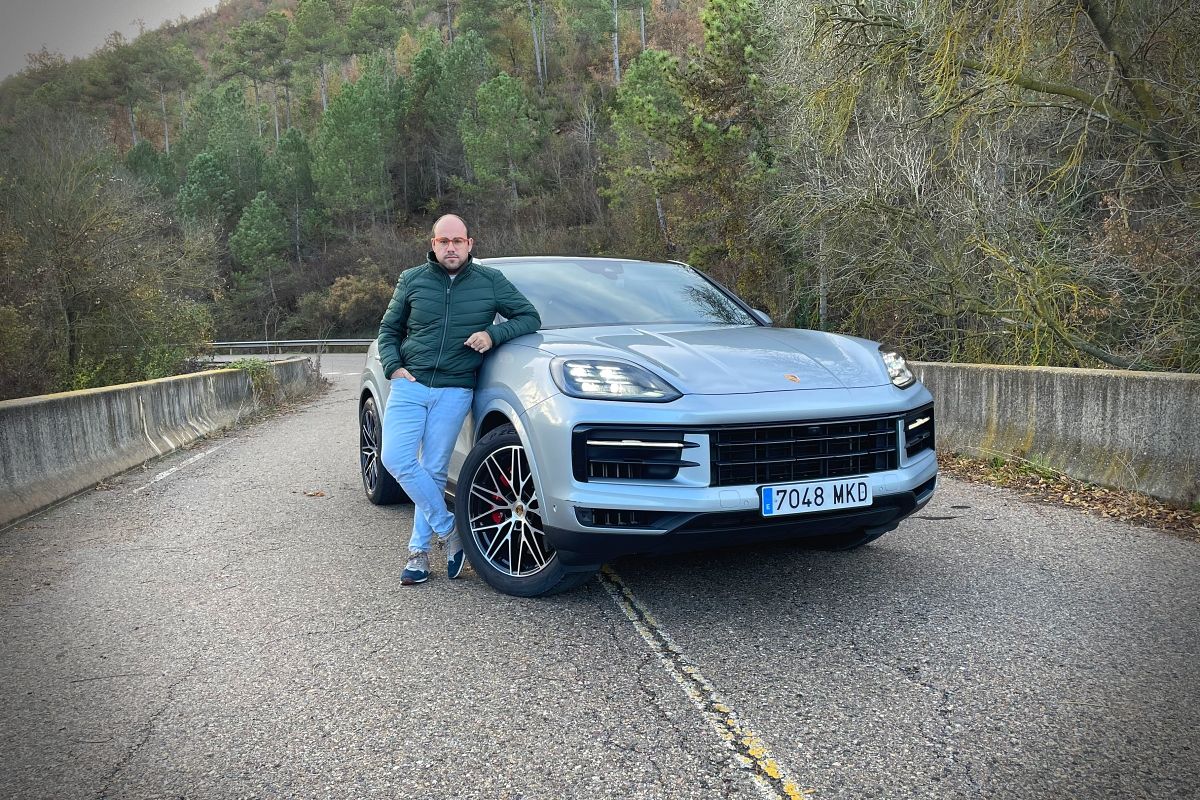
x: 258, y: 246
x: 119, y: 75
x: 208, y: 193
x: 719, y: 151
x: 316, y: 39
x: 353, y: 150
x: 500, y: 135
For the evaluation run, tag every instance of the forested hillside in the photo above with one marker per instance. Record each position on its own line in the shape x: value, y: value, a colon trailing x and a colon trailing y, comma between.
x: 1012, y: 181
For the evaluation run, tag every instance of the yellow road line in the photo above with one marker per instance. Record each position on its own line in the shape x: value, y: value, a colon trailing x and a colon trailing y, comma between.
x: 750, y: 754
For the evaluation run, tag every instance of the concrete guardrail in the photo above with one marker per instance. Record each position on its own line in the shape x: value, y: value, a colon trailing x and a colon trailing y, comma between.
x: 55, y: 445
x: 1130, y: 430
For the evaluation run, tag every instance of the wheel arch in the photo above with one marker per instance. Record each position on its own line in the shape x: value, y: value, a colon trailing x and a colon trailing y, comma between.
x: 386, y: 490
x: 555, y: 575
x: 493, y: 419
x: 368, y: 389
x: 498, y: 412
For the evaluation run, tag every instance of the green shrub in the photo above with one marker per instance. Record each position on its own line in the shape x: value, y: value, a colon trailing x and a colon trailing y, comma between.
x: 262, y: 377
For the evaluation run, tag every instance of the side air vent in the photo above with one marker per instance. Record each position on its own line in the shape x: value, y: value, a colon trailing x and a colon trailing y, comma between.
x: 918, y: 431
x: 628, y: 455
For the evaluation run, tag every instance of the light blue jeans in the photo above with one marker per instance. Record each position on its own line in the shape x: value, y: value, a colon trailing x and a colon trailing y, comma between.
x: 420, y: 426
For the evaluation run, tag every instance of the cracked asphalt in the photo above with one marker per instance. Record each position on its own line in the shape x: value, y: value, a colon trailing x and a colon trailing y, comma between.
x: 238, y: 629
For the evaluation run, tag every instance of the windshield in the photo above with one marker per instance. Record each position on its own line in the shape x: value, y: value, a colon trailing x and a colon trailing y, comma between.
x: 576, y: 293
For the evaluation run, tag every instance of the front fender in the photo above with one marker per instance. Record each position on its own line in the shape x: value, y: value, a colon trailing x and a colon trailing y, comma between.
x: 373, y: 381
x: 486, y: 404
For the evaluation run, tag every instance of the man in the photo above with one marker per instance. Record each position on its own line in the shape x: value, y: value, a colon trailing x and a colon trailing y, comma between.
x: 431, y: 342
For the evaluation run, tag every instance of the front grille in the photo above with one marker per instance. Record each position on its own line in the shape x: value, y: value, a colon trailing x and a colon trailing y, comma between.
x: 640, y: 454
x: 800, y: 451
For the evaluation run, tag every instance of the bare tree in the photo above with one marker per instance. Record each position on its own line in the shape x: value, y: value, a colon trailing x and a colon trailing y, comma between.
x: 1004, y: 181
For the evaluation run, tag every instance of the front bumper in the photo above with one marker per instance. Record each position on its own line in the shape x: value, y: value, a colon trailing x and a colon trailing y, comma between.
x: 688, y: 513
x: 718, y: 529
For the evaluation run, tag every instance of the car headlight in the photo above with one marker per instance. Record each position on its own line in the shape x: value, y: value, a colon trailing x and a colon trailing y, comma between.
x: 597, y: 379
x: 897, y: 367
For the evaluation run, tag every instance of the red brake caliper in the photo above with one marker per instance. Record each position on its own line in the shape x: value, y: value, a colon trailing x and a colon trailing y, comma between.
x: 497, y: 515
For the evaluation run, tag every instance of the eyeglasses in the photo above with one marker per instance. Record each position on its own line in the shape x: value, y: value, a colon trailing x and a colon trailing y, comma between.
x: 442, y: 241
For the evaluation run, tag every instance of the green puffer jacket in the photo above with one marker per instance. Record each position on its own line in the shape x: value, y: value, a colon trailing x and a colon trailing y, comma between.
x: 430, y: 317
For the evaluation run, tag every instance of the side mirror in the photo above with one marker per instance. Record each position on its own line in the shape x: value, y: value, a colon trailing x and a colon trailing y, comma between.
x: 762, y: 316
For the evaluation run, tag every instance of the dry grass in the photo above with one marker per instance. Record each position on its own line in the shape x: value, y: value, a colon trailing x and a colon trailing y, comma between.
x: 1047, y: 485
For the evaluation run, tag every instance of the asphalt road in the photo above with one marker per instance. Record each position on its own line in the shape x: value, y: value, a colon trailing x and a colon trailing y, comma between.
x: 237, y: 628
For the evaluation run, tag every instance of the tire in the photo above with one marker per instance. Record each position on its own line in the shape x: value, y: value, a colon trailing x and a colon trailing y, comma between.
x: 378, y: 483
x: 497, y: 512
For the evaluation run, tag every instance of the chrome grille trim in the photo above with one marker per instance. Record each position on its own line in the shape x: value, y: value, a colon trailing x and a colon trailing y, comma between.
x: 629, y: 454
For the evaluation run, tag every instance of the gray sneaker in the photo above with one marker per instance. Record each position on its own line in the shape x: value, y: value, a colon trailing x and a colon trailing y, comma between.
x: 417, y: 569
x: 454, y: 554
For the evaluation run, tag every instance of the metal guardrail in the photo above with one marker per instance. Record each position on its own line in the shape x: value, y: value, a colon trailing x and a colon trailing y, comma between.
x: 280, y: 345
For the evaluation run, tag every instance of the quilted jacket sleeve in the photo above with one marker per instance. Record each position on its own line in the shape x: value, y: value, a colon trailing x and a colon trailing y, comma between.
x: 522, y: 317
x: 393, y: 328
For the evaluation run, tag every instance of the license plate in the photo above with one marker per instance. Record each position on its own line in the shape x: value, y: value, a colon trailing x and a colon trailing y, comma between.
x: 804, y: 498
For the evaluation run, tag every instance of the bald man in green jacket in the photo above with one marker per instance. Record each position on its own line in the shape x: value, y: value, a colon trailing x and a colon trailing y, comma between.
x: 433, y: 337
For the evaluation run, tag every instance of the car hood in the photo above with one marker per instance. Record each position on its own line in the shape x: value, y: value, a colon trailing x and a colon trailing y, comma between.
x: 706, y: 359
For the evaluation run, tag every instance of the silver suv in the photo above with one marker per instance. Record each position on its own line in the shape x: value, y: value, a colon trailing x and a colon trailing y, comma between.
x: 656, y: 411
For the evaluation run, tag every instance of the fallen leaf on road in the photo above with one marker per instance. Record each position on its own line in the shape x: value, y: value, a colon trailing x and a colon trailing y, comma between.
x: 314, y: 493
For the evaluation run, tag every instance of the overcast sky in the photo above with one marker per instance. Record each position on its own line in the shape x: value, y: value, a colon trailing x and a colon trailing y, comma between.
x: 78, y: 28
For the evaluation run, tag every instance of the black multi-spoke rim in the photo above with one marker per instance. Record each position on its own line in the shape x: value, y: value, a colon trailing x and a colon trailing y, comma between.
x: 505, y: 517
x: 368, y: 445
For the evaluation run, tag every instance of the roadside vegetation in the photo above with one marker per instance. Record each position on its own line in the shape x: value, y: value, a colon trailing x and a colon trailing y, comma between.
x: 262, y: 379
x: 1009, y: 181
x: 269, y: 393
x: 1043, y: 484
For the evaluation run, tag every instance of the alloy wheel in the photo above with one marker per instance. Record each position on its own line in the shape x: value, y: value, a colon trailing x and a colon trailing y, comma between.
x: 505, y: 516
x: 368, y: 444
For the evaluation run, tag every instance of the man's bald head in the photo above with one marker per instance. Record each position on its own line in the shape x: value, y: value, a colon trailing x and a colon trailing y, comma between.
x: 451, y: 242
x: 449, y: 217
